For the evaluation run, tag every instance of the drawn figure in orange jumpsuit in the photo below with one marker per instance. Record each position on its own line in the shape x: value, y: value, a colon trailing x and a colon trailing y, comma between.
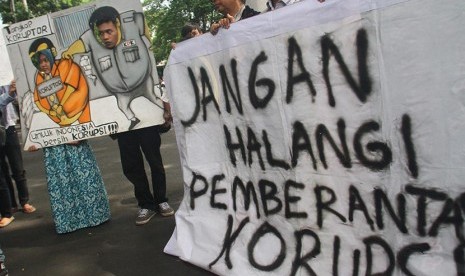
x: 61, y: 89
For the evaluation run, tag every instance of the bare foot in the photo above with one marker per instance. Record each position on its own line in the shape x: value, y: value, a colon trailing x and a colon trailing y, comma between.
x: 28, y: 208
x: 4, y: 222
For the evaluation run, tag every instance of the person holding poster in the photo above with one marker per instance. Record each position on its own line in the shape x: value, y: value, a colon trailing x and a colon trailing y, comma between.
x: 77, y: 194
x: 111, y: 42
x: 233, y: 11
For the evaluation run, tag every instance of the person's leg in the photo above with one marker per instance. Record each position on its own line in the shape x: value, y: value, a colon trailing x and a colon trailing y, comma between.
x: 5, y: 203
x: 124, y: 101
x: 133, y: 168
x: 150, y: 144
x: 15, y: 159
x: 6, y: 173
x: 150, y: 93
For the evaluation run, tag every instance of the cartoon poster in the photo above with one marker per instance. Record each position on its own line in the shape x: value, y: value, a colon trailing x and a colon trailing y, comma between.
x: 324, y: 139
x: 84, y: 72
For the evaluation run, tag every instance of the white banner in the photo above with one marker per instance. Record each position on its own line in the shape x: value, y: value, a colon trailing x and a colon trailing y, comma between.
x: 324, y: 139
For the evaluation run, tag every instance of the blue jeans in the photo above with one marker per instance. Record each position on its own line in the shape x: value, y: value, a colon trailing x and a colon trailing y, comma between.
x: 12, y: 152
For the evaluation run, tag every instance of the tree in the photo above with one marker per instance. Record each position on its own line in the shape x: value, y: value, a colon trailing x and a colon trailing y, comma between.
x: 32, y: 8
x: 165, y: 18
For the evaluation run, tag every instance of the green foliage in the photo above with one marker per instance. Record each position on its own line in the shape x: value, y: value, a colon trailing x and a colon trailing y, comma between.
x: 165, y: 19
x: 35, y: 8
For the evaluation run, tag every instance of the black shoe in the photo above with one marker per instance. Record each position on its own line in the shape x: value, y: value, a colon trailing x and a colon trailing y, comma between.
x: 134, y: 122
x: 144, y: 215
x: 3, y: 270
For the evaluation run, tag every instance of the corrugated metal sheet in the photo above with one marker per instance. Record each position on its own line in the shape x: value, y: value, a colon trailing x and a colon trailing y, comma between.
x: 71, y: 26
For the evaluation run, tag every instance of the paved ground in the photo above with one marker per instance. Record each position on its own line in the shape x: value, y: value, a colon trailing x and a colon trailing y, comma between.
x: 118, y: 247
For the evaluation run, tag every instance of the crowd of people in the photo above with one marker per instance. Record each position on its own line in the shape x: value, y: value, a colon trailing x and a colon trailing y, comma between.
x: 78, y: 197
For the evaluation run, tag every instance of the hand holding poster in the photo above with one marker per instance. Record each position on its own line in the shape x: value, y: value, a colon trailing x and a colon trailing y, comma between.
x: 324, y: 139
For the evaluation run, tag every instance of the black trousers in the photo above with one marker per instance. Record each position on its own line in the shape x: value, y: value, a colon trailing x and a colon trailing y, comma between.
x: 5, y: 201
x: 12, y: 152
x: 132, y: 145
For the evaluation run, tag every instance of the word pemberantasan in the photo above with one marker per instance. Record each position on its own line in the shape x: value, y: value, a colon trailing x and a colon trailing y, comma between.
x: 355, y: 224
